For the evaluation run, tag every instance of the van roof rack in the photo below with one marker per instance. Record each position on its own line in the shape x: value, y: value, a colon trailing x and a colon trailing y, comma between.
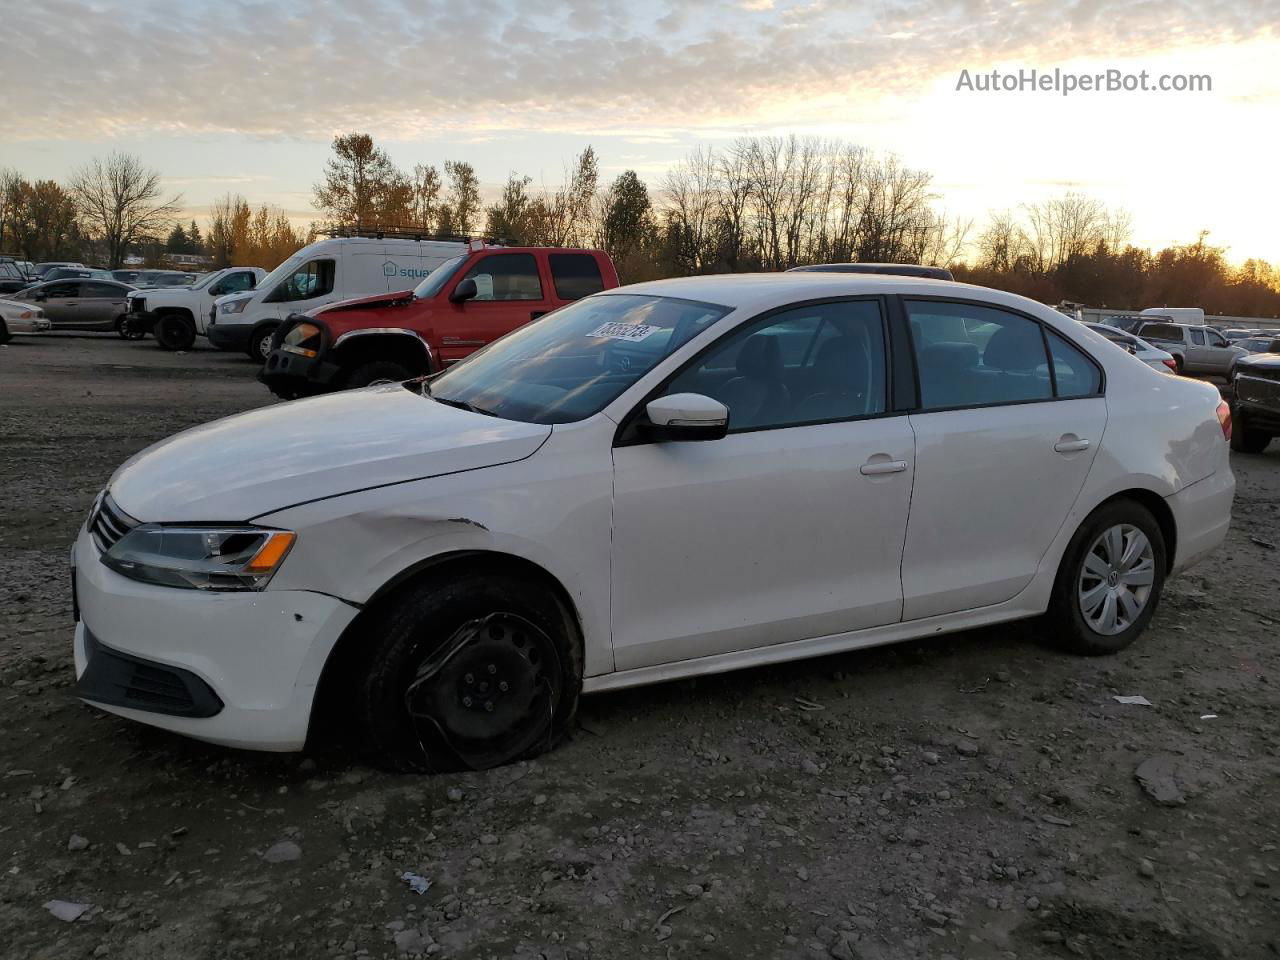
x: 387, y: 232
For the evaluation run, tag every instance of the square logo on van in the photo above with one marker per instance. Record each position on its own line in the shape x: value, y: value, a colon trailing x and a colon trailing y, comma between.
x: 390, y: 269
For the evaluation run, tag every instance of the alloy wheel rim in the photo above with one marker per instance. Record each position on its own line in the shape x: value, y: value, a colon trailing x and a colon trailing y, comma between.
x: 1116, y: 579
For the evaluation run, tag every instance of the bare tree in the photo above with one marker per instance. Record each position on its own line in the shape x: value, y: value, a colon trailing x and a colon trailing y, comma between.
x: 692, y: 199
x: 119, y: 201
x: 361, y: 185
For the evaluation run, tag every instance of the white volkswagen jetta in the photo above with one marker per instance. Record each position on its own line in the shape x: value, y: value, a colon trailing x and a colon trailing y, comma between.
x: 670, y: 479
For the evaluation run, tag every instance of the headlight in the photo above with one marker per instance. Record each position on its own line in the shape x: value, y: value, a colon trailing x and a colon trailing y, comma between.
x: 200, y: 558
x: 304, y: 340
x: 29, y: 315
x: 234, y: 306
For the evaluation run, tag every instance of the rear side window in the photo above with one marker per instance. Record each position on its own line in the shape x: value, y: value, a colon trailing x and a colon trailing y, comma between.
x: 1197, y: 337
x: 969, y: 355
x: 1074, y: 373
x: 575, y: 275
x: 1168, y: 332
x: 506, y: 276
x: 101, y: 291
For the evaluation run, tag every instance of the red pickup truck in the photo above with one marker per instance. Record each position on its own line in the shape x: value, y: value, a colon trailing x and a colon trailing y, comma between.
x: 462, y: 305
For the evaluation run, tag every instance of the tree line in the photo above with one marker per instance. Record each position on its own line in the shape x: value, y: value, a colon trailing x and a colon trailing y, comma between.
x: 759, y: 203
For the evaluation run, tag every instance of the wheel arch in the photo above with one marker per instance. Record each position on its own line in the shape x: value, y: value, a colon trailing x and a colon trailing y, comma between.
x: 358, y: 347
x: 1159, y: 508
x: 172, y: 311
x: 345, y: 660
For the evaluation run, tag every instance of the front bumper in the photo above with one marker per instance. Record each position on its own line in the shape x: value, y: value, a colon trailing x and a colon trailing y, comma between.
x: 291, y: 372
x: 229, y: 336
x: 257, y: 655
x: 40, y: 325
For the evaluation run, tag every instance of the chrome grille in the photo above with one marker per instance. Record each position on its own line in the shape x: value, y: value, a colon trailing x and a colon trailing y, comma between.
x: 109, y: 523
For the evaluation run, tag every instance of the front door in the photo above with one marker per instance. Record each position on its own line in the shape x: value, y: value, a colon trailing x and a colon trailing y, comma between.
x: 62, y: 303
x: 1004, y: 442
x: 788, y: 528
x: 510, y: 292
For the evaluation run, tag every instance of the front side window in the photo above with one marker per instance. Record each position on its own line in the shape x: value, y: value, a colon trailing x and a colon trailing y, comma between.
x: 312, y: 279
x: 810, y: 364
x: 506, y: 276
x: 102, y: 291
x: 575, y: 275
x: 1217, y: 340
x: 571, y: 364
x: 236, y: 282
x: 970, y: 355
x: 62, y: 291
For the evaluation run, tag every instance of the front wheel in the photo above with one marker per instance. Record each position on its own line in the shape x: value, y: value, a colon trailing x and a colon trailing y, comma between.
x: 376, y: 371
x: 468, y: 673
x: 259, y: 347
x: 1110, y: 580
x: 1246, y: 440
x: 175, y: 332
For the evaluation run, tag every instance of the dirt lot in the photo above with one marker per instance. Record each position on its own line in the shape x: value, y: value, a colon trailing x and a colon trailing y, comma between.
x: 970, y: 796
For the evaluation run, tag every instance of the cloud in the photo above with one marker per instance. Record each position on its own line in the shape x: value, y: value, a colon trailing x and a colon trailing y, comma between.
x: 406, y: 69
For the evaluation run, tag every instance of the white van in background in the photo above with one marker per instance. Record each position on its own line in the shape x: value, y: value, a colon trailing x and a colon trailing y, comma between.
x: 1191, y: 316
x: 338, y: 268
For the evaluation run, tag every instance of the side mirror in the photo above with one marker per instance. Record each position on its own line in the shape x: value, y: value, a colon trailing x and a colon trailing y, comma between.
x: 465, y: 290
x: 686, y: 416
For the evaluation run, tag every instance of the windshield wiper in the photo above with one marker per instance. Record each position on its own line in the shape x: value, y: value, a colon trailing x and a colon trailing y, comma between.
x: 460, y: 404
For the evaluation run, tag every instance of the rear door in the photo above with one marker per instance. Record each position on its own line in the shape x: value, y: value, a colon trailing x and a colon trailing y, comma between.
x: 511, y: 290
x: 1199, y: 357
x: 1004, y: 441
x: 101, y: 303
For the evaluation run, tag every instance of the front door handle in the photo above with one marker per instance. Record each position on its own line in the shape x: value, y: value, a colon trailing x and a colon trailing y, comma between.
x: 878, y: 467
x: 1070, y: 443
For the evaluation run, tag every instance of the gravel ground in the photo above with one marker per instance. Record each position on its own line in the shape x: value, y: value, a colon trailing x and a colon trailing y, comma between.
x: 975, y: 795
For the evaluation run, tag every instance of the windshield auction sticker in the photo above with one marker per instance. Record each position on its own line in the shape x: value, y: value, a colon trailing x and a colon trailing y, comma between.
x: 635, y: 332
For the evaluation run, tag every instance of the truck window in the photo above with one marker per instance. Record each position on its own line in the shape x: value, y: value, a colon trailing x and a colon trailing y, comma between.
x: 312, y: 279
x: 1197, y: 337
x: 575, y: 275
x: 1168, y: 332
x: 506, y: 276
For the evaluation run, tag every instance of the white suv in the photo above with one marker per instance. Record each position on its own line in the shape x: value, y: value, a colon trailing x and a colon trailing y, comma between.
x: 666, y: 480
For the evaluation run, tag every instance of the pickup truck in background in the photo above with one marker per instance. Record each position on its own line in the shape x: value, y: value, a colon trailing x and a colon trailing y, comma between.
x: 175, y: 315
x: 1197, y: 350
x: 1255, y: 402
x: 464, y: 304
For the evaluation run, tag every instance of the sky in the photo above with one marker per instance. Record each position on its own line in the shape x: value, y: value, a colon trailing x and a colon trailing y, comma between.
x: 245, y: 96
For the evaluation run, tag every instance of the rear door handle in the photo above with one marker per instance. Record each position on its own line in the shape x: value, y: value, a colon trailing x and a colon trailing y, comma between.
x: 1070, y: 443
x: 882, y: 466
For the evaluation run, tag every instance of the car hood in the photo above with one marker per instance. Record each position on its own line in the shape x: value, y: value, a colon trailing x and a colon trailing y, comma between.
x: 1269, y: 360
x: 265, y: 460
x: 365, y: 303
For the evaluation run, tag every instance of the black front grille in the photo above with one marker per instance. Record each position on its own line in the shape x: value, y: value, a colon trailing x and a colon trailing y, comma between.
x: 109, y: 523
x: 1259, y: 372
x: 139, y: 305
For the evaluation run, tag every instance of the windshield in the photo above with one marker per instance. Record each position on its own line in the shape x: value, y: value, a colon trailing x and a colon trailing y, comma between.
x: 437, y: 278
x: 279, y: 273
x: 572, y: 363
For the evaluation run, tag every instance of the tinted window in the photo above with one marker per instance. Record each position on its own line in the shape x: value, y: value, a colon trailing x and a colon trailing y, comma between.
x: 506, y: 276
x: 1197, y: 337
x: 572, y: 363
x: 1074, y: 373
x: 313, y: 279
x: 1217, y: 340
x: 971, y: 355
x: 1168, y: 332
x: 575, y: 275
x: 102, y: 290
x: 62, y: 290
x: 808, y: 365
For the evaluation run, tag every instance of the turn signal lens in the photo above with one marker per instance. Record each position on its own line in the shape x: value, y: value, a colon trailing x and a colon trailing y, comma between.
x: 1171, y: 364
x: 270, y: 553
x: 303, y: 339
x: 1224, y: 420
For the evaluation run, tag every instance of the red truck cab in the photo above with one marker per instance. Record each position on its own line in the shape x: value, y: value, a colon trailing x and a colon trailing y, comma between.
x: 461, y: 306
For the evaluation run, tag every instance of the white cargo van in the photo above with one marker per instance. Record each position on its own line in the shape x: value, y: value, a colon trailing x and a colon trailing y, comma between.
x: 338, y: 268
x: 1191, y: 316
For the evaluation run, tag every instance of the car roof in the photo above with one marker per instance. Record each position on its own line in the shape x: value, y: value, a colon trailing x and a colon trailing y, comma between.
x: 763, y: 291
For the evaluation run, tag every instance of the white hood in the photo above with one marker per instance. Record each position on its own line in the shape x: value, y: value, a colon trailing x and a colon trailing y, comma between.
x: 265, y: 460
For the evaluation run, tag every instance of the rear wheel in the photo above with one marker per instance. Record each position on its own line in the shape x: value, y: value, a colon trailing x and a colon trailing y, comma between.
x: 376, y: 371
x: 1110, y: 580
x: 5, y: 335
x: 129, y: 330
x: 174, y: 331
x: 468, y: 673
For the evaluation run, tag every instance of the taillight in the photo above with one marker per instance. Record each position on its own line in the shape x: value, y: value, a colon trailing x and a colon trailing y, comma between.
x: 1171, y: 363
x: 1224, y: 419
